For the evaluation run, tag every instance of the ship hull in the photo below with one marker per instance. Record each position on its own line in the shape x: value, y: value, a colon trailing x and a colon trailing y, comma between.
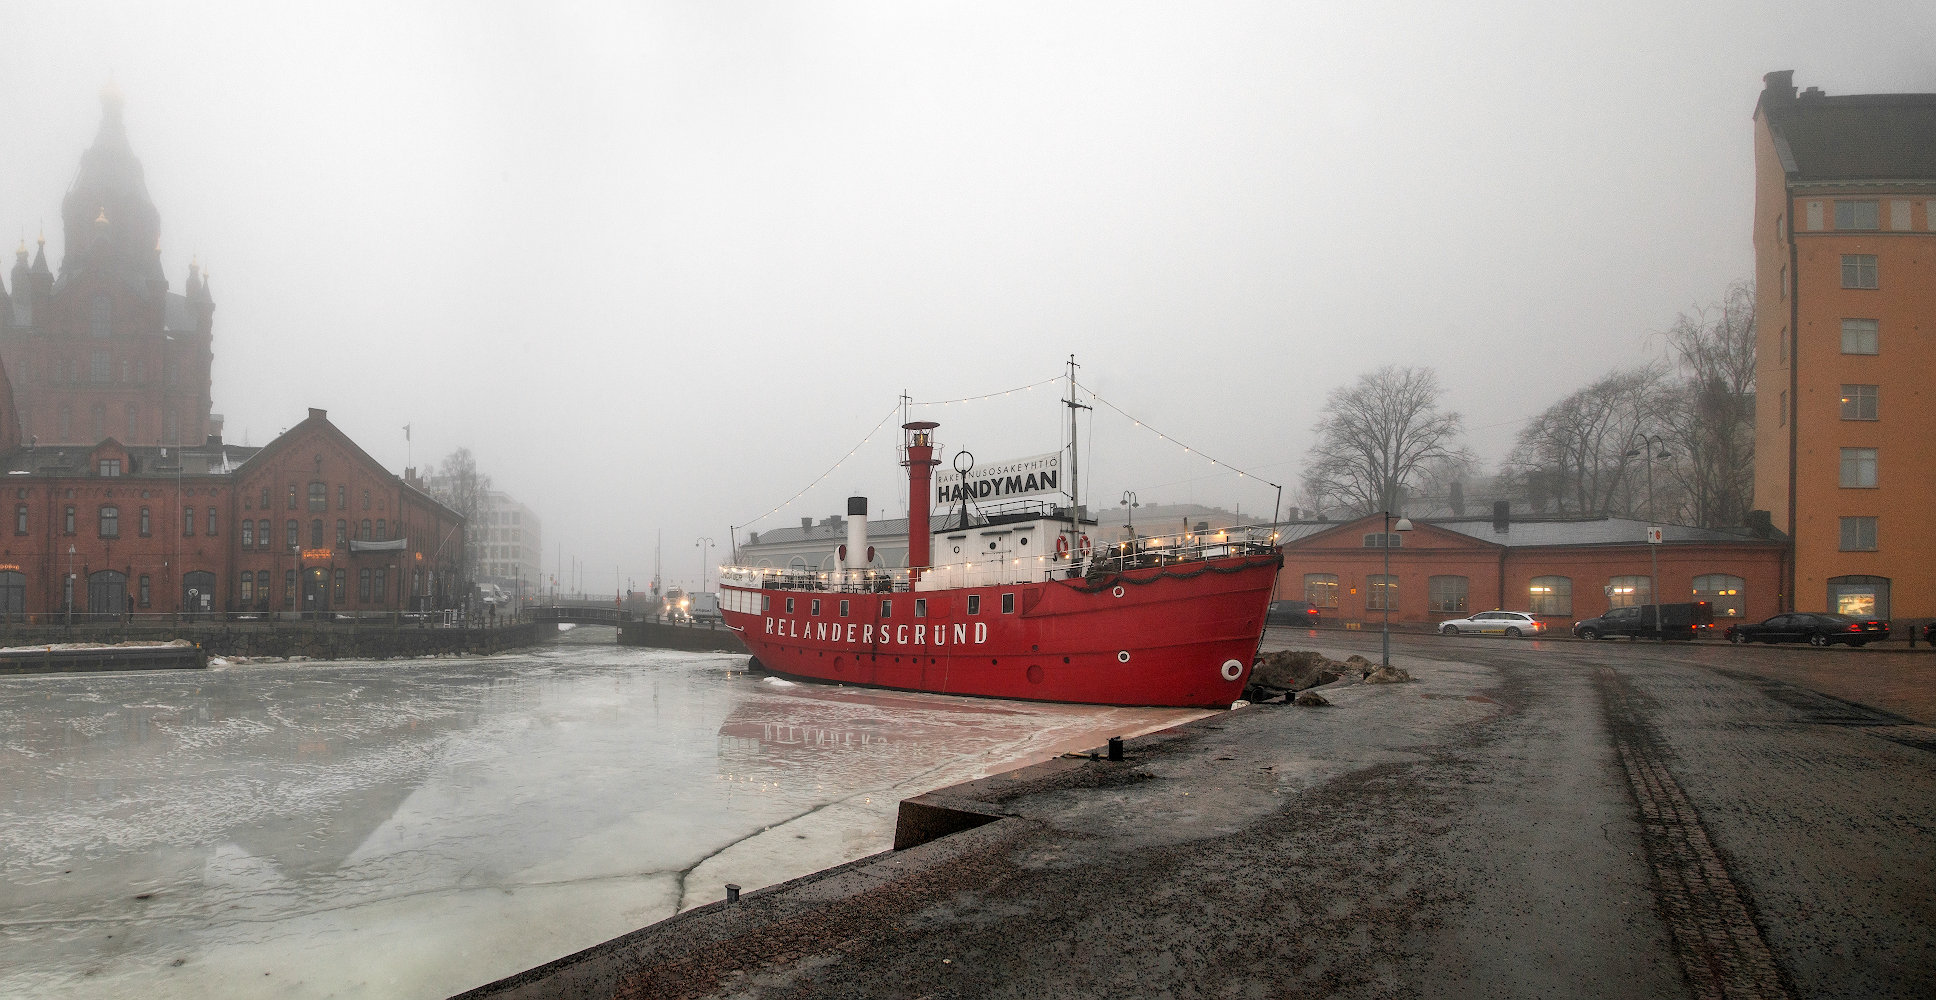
x: 665, y: 635
x: 1159, y: 636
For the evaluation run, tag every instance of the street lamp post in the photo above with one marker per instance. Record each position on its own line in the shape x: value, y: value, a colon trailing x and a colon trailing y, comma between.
x: 704, y: 545
x: 1651, y: 442
x: 70, y: 586
x: 1129, y: 501
x: 1384, y: 585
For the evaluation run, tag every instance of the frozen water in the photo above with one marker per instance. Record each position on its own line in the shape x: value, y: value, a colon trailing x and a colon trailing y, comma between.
x: 417, y: 828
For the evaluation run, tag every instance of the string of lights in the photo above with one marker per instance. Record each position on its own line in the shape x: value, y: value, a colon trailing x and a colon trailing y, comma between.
x: 850, y: 454
x: 1165, y: 437
x: 992, y: 395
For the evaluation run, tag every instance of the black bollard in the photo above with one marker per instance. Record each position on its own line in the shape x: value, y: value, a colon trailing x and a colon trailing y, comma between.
x: 732, y: 893
x: 1115, y: 748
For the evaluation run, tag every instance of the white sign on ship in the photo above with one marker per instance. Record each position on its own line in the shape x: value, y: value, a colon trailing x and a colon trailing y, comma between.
x: 1018, y: 477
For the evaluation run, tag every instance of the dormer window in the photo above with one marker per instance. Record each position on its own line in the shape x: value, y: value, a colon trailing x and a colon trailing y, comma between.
x: 110, y: 467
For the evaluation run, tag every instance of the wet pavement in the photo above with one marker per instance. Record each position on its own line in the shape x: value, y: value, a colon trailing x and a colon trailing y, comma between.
x: 1530, y: 818
x: 416, y: 828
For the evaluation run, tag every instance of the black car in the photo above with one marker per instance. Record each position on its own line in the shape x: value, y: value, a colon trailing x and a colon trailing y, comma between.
x: 1676, y: 621
x: 1295, y: 614
x: 1814, y: 628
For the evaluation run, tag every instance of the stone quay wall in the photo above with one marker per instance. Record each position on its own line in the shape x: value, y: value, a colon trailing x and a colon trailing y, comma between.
x: 367, y: 641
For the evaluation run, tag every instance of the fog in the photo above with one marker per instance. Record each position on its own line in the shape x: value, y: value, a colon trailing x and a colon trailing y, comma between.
x: 661, y: 266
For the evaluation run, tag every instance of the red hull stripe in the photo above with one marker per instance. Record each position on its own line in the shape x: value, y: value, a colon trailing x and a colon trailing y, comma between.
x: 1156, y: 639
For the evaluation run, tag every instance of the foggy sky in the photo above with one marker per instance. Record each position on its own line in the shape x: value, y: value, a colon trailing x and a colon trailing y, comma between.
x: 660, y: 266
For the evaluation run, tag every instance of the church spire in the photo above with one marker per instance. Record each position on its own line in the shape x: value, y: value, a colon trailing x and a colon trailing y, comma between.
x: 111, y: 186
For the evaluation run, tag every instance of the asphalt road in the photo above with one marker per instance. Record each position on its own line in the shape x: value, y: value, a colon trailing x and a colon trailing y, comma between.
x: 1530, y: 818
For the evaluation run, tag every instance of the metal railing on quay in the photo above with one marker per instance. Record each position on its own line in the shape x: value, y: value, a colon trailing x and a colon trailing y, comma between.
x: 79, y: 620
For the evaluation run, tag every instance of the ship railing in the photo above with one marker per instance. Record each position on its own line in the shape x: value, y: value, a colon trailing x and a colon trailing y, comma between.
x: 1143, y: 551
x: 869, y: 581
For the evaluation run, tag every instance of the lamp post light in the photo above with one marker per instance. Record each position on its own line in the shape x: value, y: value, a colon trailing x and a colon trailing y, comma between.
x: 1384, y: 585
x: 704, y: 545
x: 1129, y: 501
x: 1650, y: 443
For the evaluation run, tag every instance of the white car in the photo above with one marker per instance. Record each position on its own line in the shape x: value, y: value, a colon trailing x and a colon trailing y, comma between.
x: 1512, y: 623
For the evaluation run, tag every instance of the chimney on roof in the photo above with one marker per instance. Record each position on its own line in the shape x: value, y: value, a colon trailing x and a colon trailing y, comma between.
x: 215, y: 440
x: 1761, y: 523
x: 1779, y: 85
x: 806, y: 524
x: 316, y: 413
x: 1813, y: 93
x: 1501, y: 515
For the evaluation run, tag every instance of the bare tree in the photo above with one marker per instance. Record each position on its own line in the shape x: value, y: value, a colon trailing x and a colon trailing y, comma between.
x: 459, y: 486
x: 1374, y: 437
x: 1710, y: 414
x: 1573, y: 457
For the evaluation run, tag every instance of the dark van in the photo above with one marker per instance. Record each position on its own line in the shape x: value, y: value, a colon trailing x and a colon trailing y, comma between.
x: 1677, y: 621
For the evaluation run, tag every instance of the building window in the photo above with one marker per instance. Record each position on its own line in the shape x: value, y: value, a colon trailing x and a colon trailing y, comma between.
x: 920, y: 607
x: 100, y: 368
x: 365, y: 533
x: 341, y: 581
x: 210, y: 527
x: 131, y: 414
x: 110, y: 522
x: 288, y: 587
x: 1859, y: 596
x: 1008, y: 604
x: 248, y: 587
x: 363, y: 586
x: 1861, y: 402
x: 316, y: 533
x: 1859, y: 270
x: 110, y: 467
x: 98, y: 415
x: 1859, y: 468
x: 382, y: 530
x: 68, y: 520
x: 1321, y: 589
x: 1781, y: 414
x: 188, y: 520
x: 292, y: 496
x: 843, y: 609
x: 318, y: 497
x: 1630, y: 591
x: 1781, y: 227
x: 1899, y: 215
x: 20, y: 519
x: 342, y: 498
x: 1551, y: 595
x: 1814, y: 216
x: 342, y: 532
x: 147, y: 527
x: 974, y: 604
x: 248, y: 532
x: 1447, y: 593
x: 1381, y: 593
x: 1380, y: 540
x: 1860, y: 336
x: 366, y: 499
x: 379, y: 586
x: 291, y: 538
x: 265, y: 498
x: 262, y: 533
x: 1856, y: 215
x: 147, y: 594
x: 1858, y: 534
x: 1723, y: 592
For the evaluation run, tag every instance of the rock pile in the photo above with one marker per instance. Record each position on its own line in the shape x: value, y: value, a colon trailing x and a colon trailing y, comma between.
x: 1285, y: 673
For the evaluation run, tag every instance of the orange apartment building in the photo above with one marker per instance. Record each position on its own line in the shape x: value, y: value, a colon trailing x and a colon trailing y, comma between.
x: 1845, y: 272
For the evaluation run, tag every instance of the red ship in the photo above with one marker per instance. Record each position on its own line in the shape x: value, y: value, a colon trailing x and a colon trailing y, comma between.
x: 1017, y: 603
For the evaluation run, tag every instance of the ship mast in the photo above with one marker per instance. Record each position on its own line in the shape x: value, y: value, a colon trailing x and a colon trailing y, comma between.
x: 1075, y: 494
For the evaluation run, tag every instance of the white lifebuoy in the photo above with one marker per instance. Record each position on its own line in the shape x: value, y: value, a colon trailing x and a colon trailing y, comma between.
x: 1118, y: 592
x: 1061, y: 547
x: 1232, y: 669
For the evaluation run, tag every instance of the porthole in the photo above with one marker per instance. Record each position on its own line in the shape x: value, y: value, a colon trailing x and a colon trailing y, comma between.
x: 1035, y: 673
x: 1123, y: 656
x: 1024, y: 541
x: 957, y: 550
x: 991, y: 546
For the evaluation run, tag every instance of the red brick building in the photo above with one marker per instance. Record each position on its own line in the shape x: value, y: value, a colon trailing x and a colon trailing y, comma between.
x: 1561, y: 570
x: 104, y: 349
x: 309, y: 522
